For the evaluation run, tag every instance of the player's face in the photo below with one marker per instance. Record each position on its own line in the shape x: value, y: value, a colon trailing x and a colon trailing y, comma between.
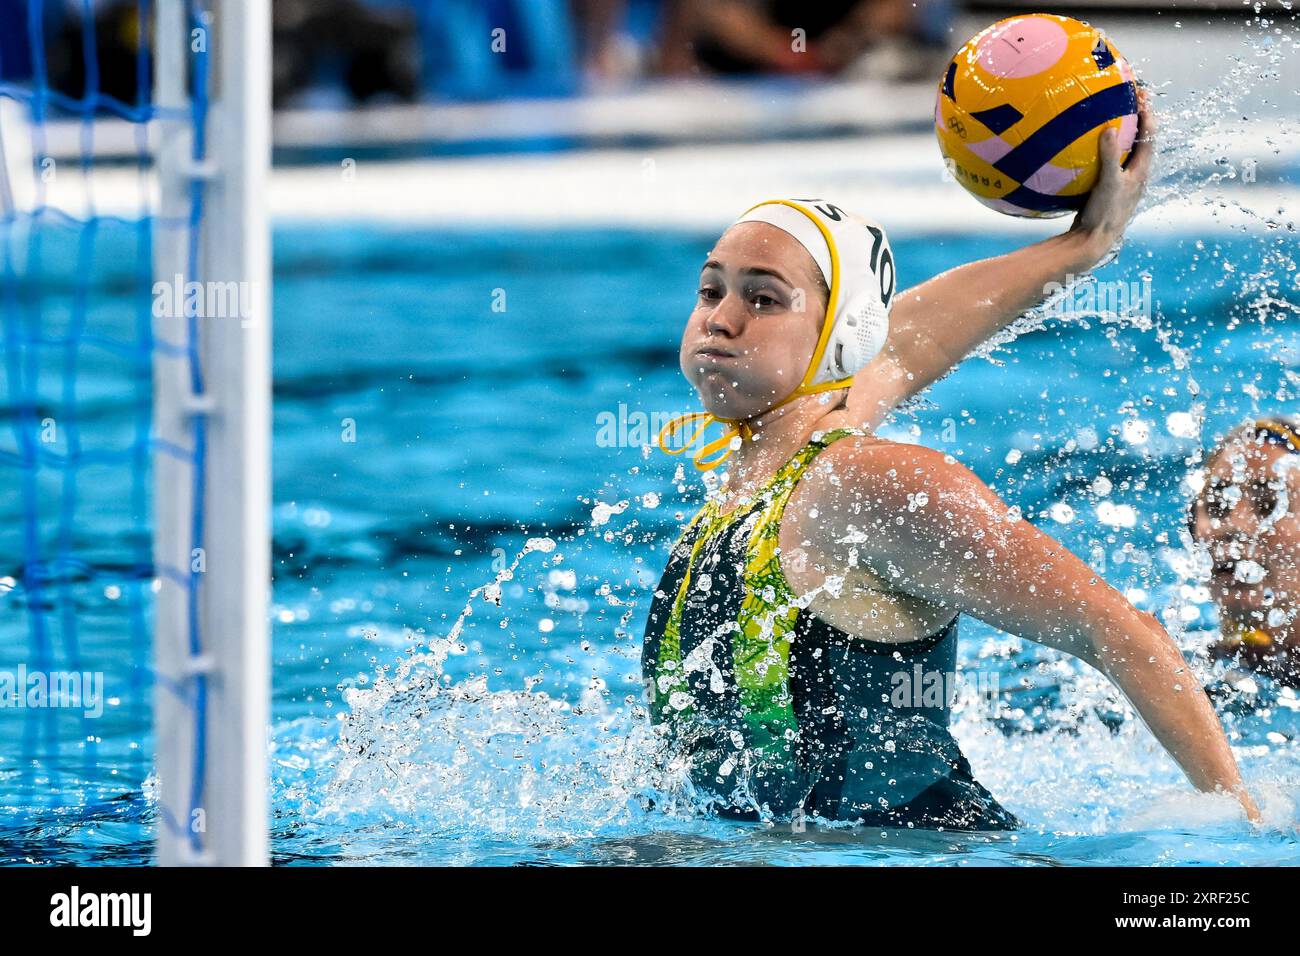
x: 1248, y: 517
x: 757, y: 317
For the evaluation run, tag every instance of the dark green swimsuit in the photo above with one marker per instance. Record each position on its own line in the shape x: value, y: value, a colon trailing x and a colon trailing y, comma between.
x: 779, y: 712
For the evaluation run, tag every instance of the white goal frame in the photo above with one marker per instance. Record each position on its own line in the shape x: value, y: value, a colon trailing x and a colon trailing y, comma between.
x: 213, y: 810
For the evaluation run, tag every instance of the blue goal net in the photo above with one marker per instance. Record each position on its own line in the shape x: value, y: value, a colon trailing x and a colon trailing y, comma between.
x: 79, y: 225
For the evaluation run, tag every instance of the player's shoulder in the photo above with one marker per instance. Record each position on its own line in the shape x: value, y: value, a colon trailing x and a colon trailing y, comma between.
x: 869, y: 455
x: 868, y: 474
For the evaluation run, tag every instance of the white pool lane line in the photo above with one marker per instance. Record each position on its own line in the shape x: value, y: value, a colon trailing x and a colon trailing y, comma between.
x: 897, y: 179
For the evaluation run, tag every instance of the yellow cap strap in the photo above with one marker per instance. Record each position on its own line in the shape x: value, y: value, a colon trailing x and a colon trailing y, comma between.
x: 707, y: 457
x: 1281, y: 430
x: 1255, y: 637
x: 1245, y: 634
x: 675, y: 425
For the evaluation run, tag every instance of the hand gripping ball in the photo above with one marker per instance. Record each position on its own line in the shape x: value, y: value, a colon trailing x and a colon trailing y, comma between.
x: 1021, y: 107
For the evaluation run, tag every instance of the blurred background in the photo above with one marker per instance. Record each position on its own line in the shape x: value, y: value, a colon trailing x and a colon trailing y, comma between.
x: 429, y: 82
x: 586, y: 104
x: 415, y: 77
x: 345, y: 53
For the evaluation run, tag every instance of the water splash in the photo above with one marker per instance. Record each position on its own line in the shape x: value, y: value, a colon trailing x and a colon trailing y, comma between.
x: 460, y: 756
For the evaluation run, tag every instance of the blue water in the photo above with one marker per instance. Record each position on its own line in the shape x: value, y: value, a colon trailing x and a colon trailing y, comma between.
x: 476, y: 429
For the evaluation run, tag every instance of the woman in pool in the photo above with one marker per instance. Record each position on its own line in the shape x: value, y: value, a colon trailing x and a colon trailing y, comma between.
x: 829, y: 567
x: 1247, y: 516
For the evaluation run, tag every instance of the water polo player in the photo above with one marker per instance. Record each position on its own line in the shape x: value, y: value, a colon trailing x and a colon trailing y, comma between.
x: 774, y: 676
x: 1247, y: 517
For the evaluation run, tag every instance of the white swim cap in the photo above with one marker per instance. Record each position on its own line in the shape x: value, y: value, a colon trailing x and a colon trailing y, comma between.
x: 857, y: 265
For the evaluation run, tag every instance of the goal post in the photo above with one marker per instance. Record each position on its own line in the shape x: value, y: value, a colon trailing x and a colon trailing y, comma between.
x: 211, y: 418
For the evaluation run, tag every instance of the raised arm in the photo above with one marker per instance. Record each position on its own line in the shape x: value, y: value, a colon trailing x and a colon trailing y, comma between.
x: 934, y: 325
x: 959, y: 547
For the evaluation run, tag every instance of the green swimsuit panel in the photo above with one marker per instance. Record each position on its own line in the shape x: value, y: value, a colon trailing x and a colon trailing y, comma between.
x: 779, y: 712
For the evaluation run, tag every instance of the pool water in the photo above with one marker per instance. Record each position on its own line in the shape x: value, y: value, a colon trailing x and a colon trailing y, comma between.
x: 443, y: 397
x: 476, y: 430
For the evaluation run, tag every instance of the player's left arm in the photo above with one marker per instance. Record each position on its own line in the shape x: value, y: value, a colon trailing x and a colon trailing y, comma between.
x: 934, y: 325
